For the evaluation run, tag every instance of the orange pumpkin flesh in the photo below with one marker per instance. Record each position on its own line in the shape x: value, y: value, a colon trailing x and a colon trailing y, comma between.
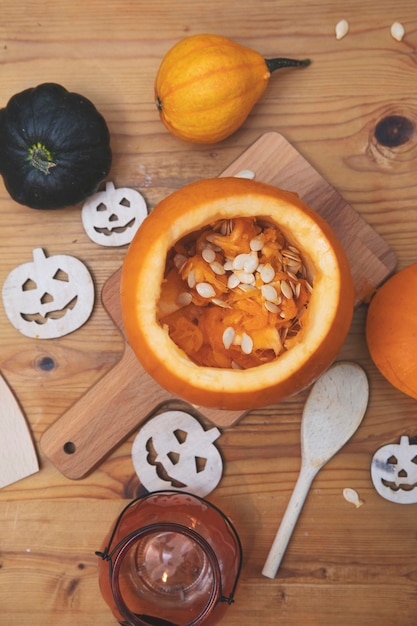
x: 235, y: 295
x: 391, y: 330
x: 325, y: 320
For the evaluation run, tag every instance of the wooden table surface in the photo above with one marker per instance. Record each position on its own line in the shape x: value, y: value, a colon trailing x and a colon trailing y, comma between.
x: 344, y: 565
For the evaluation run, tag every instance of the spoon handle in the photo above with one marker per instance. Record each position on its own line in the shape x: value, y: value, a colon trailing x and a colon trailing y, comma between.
x: 289, y: 520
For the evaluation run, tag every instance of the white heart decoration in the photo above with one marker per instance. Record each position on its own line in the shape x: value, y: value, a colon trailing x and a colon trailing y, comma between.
x: 173, y: 451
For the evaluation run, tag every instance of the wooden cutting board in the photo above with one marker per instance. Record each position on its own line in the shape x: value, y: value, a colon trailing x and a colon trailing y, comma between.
x: 120, y: 401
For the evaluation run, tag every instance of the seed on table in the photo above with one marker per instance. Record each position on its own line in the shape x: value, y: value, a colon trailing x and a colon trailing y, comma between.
x: 246, y: 344
x: 286, y: 290
x: 208, y: 255
x: 341, y: 29
x: 228, y: 336
x: 245, y: 174
x: 397, y: 31
x: 205, y: 290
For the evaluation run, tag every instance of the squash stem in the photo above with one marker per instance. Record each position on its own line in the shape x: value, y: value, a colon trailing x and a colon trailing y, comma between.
x: 41, y: 158
x: 277, y: 64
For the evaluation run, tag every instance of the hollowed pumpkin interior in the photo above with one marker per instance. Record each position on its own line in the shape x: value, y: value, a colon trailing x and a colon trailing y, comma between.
x: 183, y: 339
x: 235, y: 294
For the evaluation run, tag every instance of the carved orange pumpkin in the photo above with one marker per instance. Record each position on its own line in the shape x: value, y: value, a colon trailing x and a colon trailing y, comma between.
x: 207, y: 85
x: 235, y: 294
x: 391, y: 328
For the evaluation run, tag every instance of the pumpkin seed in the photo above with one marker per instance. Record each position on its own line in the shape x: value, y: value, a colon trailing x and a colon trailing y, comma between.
x: 217, y: 268
x: 286, y: 289
x: 245, y: 278
x: 208, y: 255
x: 205, y: 290
x: 251, y: 262
x: 184, y: 298
x: 341, y: 29
x: 269, y: 293
x: 397, y: 31
x: 179, y: 260
x: 256, y: 244
x: 271, y: 306
x: 228, y: 336
x: 267, y: 273
x: 191, y: 280
x: 233, y: 281
x: 246, y: 344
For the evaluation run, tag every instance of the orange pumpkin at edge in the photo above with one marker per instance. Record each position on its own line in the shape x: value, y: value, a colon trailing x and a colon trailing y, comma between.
x: 329, y: 312
x: 391, y: 330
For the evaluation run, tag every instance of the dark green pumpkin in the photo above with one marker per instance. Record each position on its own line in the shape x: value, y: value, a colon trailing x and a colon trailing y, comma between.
x: 54, y: 147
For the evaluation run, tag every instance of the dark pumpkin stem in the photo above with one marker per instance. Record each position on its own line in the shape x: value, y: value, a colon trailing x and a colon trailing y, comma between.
x: 277, y: 64
x: 41, y: 158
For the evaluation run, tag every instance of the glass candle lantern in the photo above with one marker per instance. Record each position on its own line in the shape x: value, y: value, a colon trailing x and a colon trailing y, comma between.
x: 171, y: 559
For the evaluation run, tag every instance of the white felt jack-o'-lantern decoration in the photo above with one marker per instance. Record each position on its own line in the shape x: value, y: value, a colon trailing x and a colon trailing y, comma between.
x: 112, y: 217
x: 173, y: 451
x: 394, y: 471
x: 49, y: 297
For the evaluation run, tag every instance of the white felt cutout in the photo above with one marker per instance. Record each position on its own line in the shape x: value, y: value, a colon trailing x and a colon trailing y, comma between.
x: 394, y: 471
x: 48, y: 297
x: 173, y: 451
x: 112, y: 217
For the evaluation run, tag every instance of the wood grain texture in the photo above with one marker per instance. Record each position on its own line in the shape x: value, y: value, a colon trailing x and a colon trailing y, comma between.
x: 345, y: 565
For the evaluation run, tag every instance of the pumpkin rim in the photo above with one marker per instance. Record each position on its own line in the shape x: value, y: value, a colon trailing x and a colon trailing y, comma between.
x: 207, y: 201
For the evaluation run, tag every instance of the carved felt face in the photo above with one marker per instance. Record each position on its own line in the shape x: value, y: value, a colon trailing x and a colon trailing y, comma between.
x: 112, y: 217
x: 394, y: 471
x: 49, y: 297
x: 173, y: 451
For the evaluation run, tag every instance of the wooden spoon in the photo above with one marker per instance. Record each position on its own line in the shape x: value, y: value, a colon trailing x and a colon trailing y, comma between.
x: 332, y: 413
